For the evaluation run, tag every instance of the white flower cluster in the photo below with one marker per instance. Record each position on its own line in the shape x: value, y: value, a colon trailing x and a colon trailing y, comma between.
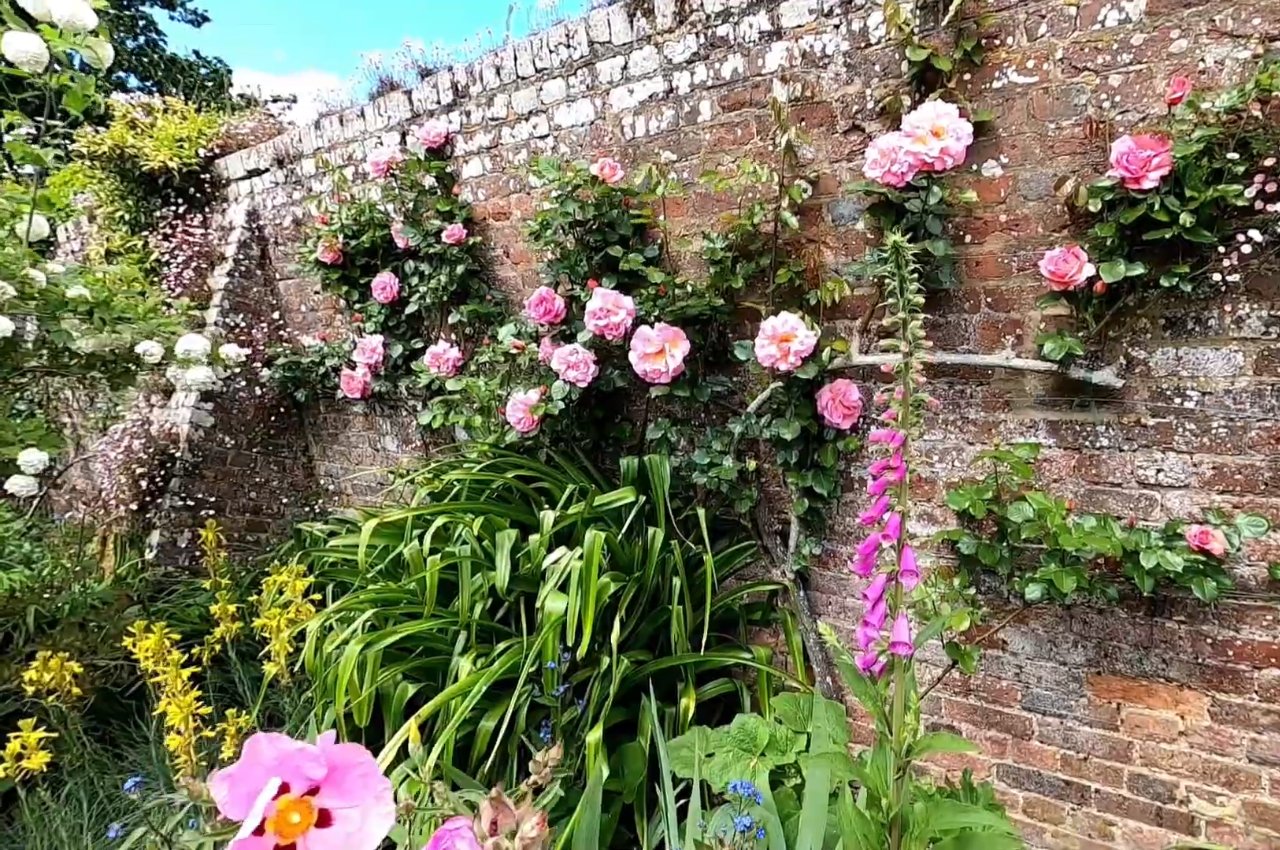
x: 28, y: 51
x: 24, y: 485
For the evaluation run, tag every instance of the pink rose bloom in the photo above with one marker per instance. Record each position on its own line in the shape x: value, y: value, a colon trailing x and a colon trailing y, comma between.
x: 1178, y: 91
x: 431, y: 135
x: 888, y: 161
x: 443, y: 359
x: 520, y: 413
x: 329, y: 251
x: 658, y: 352
x: 456, y: 833
x: 356, y: 383
x: 784, y: 341
x: 607, y: 170
x: 937, y: 136
x: 575, y: 365
x: 1204, y: 538
x: 369, y: 352
x: 385, y: 287
x: 609, y: 313
x: 546, y: 350
x: 287, y: 793
x: 1066, y: 268
x: 840, y: 404
x: 454, y: 234
x: 398, y: 237
x: 544, y: 307
x: 1141, y: 162
x: 383, y: 161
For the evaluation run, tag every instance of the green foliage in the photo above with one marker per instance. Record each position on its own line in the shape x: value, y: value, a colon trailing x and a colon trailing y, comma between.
x: 1049, y: 552
x: 920, y: 211
x: 146, y: 64
x: 938, y: 58
x: 309, y: 372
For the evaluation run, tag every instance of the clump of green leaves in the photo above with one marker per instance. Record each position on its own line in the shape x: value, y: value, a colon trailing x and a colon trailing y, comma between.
x: 937, y: 57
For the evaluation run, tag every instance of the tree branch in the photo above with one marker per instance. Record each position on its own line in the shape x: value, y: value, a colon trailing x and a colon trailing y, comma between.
x: 1105, y: 377
x: 987, y: 635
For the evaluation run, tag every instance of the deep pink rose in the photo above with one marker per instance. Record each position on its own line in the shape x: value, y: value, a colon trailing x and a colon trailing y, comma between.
x: 784, y: 341
x: 609, y: 313
x: 888, y: 161
x: 840, y: 404
x: 383, y: 161
x: 1066, y: 268
x: 329, y: 251
x: 658, y: 352
x: 370, y: 352
x: 937, y: 136
x: 398, y: 237
x: 575, y: 365
x: 546, y: 349
x: 544, y: 307
x: 385, y: 287
x: 454, y: 234
x: 1141, y: 162
x: 443, y: 359
x: 431, y: 135
x: 457, y: 833
x: 1178, y: 91
x: 607, y: 170
x: 520, y: 410
x: 356, y: 383
x: 1204, y: 538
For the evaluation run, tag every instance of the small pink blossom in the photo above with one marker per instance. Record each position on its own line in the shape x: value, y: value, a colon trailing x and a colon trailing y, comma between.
x: 937, y: 136
x: 383, y: 161
x: 893, y: 528
x: 520, y: 410
x: 329, y: 251
x: 900, y: 642
x: 398, y: 236
x: 457, y: 833
x: 875, y: 513
x: 609, y: 313
x: 355, y: 383
x: 544, y: 307
x: 546, y: 350
x: 1205, y: 538
x: 657, y: 352
x: 575, y: 365
x: 370, y: 352
x: 908, y: 569
x: 443, y: 359
x: 784, y: 341
x: 871, y: 663
x: 874, y: 592
x: 840, y: 404
x: 1141, y: 162
x: 607, y: 170
x: 888, y: 161
x: 1178, y: 91
x: 431, y: 135
x: 385, y: 287
x: 1066, y: 268
x: 890, y: 437
x: 454, y: 234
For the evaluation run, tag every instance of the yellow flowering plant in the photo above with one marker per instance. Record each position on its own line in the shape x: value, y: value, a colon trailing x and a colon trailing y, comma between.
x: 225, y: 609
x: 285, y: 605
x: 24, y: 753
x: 179, y: 702
x: 53, y: 677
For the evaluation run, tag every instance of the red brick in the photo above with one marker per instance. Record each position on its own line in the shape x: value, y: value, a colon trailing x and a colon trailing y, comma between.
x: 1197, y: 766
x: 1148, y: 694
x: 986, y: 717
x: 1262, y: 814
x: 1145, y: 811
x: 1150, y: 725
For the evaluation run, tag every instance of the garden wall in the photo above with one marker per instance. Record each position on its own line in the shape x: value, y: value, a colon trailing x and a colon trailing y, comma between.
x: 1130, y: 727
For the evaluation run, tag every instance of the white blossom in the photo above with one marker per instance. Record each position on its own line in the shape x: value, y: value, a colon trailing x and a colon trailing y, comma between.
x: 232, y: 354
x: 36, y: 276
x: 73, y: 15
x: 196, y: 379
x: 78, y: 291
x: 98, y: 52
x: 21, y: 486
x: 7, y: 291
x: 194, y: 347
x: 149, y: 351
x: 26, y: 50
x: 33, y: 461
x: 6, y: 327
x: 54, y: 268
x: 38, y: 9
x: 37, y: 229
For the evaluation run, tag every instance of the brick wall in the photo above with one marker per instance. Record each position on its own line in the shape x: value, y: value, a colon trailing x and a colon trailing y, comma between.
x: 1134, y: 727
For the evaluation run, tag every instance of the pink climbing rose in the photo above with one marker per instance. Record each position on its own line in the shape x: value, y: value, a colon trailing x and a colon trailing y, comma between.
x: 1141, y: 162
x: 457, y: 833
x: 575, y: 365
x: 607, y: 170
x: 1178, y: 91
x: 430, y: 135
x: 840, y: 404
x: 329, y: 251
x: 938, y: 137
x: 544, y: 307
x: 398, y: 235
x: 889, y: 163
x: 1205, y: 538
x: 443, y: 359
x: 784, y: 341
x: 1066, y: 268
x: 289, y: 793
x: 385, y: 287
x: 546, y: 350
x: 454, y: 234
x: 355, y: 383
x: 370, y: 352
x: 521, y: 410
x: 658, y: 351
x: 609, y: 313
x: 383, y: 161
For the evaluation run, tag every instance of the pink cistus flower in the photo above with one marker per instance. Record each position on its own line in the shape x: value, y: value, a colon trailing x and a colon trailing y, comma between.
x: 370, y: 352
x: 288, y: 793
x: 607, y: 170
x: 383, y: 161
x: 545, y: 307
x: 609, y: 313
x: 521, y: 410
x: 575, y: 365
x: 329, y: 251
x: 657, y: 352
x: 457, y: 833
x: 1066, y: 268
x: 1207, y: 539
x: 430, y: 135
x: 1178, y: 90
x: 1141, y: 162
x: 454, y: 234
x: 840, y: 404
x: 398, y: 237
x: 784, y: 341
x: 889, y: 163
x: 937, y: 136
x: 385, y: 287
x: 443, y: 359
x: 355, y: 383
x: 546, y: 350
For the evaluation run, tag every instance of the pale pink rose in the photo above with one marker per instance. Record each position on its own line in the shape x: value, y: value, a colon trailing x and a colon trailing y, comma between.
x: 937, y: 135
x: 840, y: 404
x: 383, y: 161
x: 1178, y: 91
x: 1066, y: 268
x: 443, y: 359
x: 544, y: 307
x: 1204, y: 538
x: 431, y: 135
x: 454, y: 234
x: 370, y: 352
x: 520, y: 410
x: 356, y: 383
x: 609, y: 313
x: 784, y: 341
x: 575, y: 365
x: 607, y: 170
x: 1141, y: 162
x: 288, y: 793
x: 658, y: 352
x: 888, y: 161
x: 329, y: 251
x: 546, y: 349
x: 457, y: 833
x: 398, y: 237
x: 385, y: 287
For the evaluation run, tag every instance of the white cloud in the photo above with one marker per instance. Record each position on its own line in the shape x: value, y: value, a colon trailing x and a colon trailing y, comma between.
x: 314, y: 90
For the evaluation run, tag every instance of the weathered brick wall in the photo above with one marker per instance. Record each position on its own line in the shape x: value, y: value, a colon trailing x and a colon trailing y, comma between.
x: 1134, y: 727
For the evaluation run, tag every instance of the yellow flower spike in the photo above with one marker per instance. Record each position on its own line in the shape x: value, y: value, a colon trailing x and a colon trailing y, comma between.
x: 285, y: 604
x: 53, y: 677
x: 25, y: 755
